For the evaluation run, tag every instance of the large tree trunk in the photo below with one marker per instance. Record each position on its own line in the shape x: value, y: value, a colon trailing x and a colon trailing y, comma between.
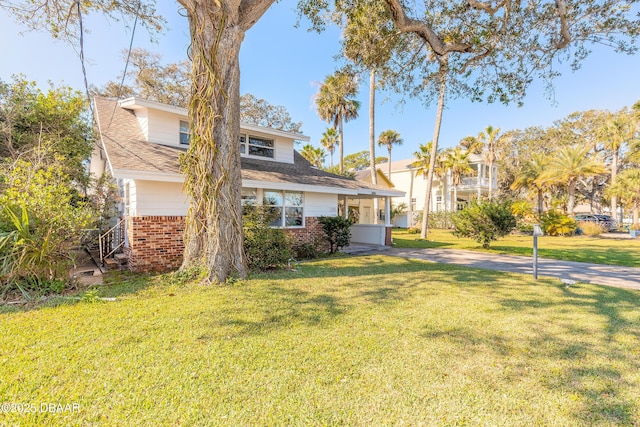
x: 213, y: 233
x: 434, y: 148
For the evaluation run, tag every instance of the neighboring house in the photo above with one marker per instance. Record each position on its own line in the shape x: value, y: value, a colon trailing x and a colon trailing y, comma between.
x: 140, y: 143
x: 405, y: 178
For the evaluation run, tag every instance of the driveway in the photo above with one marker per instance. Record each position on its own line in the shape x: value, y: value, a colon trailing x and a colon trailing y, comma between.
x: 609, y: 275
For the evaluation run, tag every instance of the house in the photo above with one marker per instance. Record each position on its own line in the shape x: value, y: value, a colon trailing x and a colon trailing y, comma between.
x: 406, y: 178
x: 139, y: 144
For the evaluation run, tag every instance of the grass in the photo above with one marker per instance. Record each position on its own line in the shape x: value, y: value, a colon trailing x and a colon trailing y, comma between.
x: 344, y: 341
x: 598, y: 250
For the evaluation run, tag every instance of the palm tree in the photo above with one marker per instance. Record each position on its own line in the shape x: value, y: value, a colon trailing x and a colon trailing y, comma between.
x: 315, y: 156
x: 388, y: 138
x: 627, y: 188
x: 336, y: 104
x: 471, y: 144
x: 488, y: 139
x: 567, y: 166
x: 529, y: 176
x: 616, y: 130
x: 458, y: 163
x: 329, y: 141
x: 422, y: 166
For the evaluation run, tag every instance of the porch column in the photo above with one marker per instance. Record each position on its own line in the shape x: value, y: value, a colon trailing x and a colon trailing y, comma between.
x: 387, y: 211
x: 479, y: 182
x: 345, y: 211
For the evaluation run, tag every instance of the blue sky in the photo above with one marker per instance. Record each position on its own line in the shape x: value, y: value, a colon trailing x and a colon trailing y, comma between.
x: 284, y: 65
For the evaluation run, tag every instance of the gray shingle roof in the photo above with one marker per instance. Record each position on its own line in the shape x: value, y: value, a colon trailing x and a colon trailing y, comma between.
x: 127, y: 149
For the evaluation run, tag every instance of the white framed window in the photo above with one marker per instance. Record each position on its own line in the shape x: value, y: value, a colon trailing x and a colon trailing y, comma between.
x: 249, y: 196
x: 286, y: 206
x: 257, y: 146
x: 243, y: 144
x: 185, y: 133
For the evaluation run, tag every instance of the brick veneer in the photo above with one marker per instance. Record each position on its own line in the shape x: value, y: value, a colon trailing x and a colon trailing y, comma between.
x: 312, y: 231
x: 156, y: 242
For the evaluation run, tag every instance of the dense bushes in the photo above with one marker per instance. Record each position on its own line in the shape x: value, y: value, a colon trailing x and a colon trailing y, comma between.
x: 484, y: 221
x: 338, y: 231
x: 557, y: 224
x: 265, y: 247
x: 40, y: 224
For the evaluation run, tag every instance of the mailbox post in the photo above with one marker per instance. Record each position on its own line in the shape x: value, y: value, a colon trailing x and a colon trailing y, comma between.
x: 537, y: 231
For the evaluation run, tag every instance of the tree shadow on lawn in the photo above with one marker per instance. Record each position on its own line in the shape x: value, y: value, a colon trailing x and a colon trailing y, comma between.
x: 603, y: 388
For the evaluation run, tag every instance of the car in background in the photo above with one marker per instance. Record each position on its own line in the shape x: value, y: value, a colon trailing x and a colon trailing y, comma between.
x: 607, y: 222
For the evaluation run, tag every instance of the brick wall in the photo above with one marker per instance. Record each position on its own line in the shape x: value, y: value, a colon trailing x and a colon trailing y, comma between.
x: 312, y: 231
x: 156, y: 242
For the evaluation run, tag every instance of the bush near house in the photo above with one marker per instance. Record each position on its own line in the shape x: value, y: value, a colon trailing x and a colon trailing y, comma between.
x: 338, y: 231
x: 484, y: 221
x: 41, y: 223
x: 266, y: 248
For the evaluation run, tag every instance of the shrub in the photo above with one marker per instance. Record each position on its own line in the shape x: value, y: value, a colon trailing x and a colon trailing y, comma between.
x: 337, y: 230
x: 590, y: 228
x: 306, y: 250
x: 413, y: 230
x: 265, y: 247
x: 42, y: 224
x: 557, y: 224
x: 484, y: 221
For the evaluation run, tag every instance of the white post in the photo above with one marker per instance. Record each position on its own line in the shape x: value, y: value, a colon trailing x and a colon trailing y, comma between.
x: 387, y: 211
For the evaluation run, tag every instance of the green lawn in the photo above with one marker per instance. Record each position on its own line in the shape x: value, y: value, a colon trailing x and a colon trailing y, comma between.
x: 599, y: 250
x: 361, y: 341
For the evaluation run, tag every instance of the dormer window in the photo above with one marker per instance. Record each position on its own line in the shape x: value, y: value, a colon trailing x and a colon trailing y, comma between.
x: 257, y: 146
x: 184, y: 132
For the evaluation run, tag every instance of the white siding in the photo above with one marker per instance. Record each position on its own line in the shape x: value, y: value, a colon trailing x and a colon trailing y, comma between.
x: 97, y: 163
x: 143, y: 120
x: 320, y: 204
x: 284, y: 150
x: 164, y: 128
x: 155, y: 198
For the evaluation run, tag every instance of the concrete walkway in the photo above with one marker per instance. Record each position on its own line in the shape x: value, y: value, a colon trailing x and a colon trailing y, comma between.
x: 609, y: 275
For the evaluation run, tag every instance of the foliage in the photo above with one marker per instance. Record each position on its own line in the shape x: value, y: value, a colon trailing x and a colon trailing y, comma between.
x: 265, y: 247
x: 336, y: 103
x: 568, y: 165
x: 336, y: 171
x: 590, y: 228
x: 307, y: 250
x: 148, y: 78
x: 439, y: 219
x: 43, y: 221
x: 337, y: 230
x: 329, y: 141
x: 388, y: 139
x: 314, y: 155
x: 56, y: 119
x: 104, y: 197
x: 360, y: 160
x: 484, y: 221
x: 259, y: 112
x: 557, y: 224
x: 398, y: 210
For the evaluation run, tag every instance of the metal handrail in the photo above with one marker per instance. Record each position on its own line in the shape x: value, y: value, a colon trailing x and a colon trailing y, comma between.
x: 102, y: 240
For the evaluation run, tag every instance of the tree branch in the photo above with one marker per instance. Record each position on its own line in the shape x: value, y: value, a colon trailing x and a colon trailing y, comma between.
x: 565, y: 39
x: 251, y: 11
x: 422, y: 30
